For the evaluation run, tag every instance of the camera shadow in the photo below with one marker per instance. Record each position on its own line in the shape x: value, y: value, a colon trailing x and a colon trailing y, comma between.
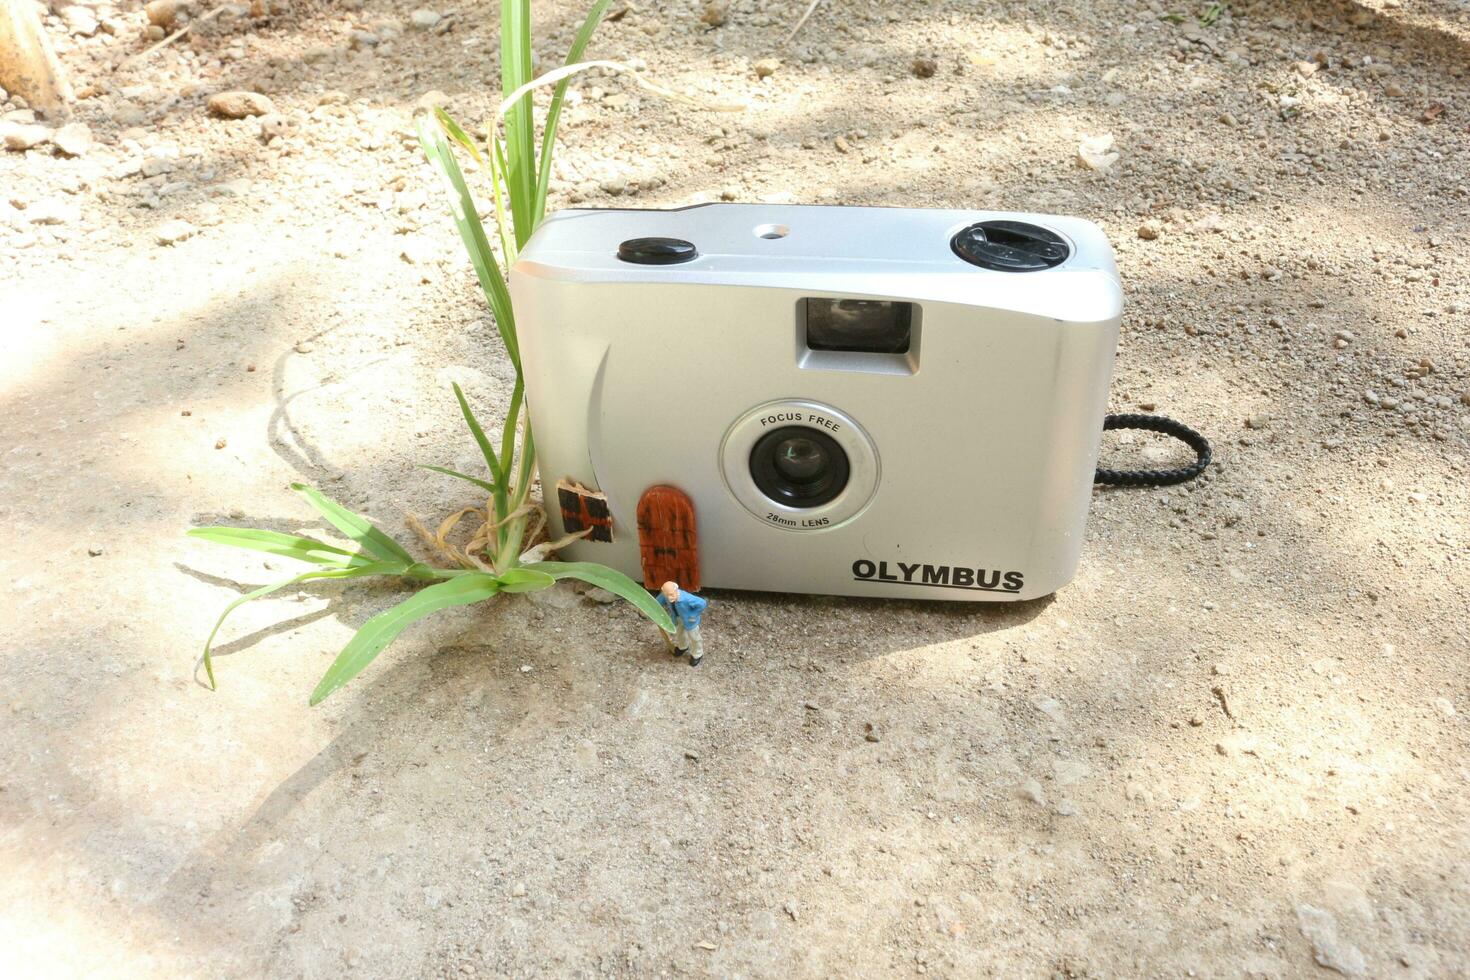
x: 850, y: 629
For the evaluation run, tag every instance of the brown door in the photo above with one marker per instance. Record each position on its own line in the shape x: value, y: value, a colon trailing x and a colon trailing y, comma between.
x: 667, y: 540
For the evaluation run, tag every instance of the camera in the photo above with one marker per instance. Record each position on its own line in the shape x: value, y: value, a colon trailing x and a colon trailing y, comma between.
x: 841, y: 400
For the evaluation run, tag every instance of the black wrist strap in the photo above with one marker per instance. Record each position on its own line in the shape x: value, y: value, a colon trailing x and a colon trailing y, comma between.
x: 1156, y: 478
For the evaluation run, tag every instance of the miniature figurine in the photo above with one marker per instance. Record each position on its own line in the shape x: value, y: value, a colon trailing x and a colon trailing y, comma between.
x: 685, y: 608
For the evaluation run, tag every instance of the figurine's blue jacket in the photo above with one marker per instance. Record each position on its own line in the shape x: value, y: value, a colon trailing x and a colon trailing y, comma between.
x: 687, y: 609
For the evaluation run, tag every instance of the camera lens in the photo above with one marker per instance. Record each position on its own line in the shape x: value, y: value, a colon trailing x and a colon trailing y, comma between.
x: 801, y: 460
x: 799, y: 467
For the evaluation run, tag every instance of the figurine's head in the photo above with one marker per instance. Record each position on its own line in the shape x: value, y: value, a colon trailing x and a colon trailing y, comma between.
x: 670, y: 591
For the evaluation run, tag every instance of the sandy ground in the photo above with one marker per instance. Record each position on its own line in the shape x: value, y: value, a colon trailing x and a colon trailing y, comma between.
x: 1234, y: 746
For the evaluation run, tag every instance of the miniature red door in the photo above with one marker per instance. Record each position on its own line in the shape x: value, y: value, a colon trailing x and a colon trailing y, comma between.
x: 667, y: 541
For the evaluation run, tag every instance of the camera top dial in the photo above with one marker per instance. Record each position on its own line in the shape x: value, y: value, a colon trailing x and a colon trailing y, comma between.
x: 1010, y: 246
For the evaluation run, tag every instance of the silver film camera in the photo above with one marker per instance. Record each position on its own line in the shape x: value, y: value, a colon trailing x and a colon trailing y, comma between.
x: 849, y: 401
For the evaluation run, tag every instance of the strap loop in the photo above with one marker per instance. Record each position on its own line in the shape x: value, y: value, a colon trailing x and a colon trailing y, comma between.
x: 1156, y: 478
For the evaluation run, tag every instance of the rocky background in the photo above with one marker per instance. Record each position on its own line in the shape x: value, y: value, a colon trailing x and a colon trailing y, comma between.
x: 1234, y: 746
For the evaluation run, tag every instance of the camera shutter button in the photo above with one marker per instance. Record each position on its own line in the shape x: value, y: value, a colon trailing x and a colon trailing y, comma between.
x: 656, y: 251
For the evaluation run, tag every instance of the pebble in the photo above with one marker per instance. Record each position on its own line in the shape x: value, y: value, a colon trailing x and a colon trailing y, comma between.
x: 924, y: 67
x: 766, y: 67
x: 273, y: 125
x: 870, y: 734
x: 424, y: 19
x: 52, y: 211
x: 518, y: 890
x: 164, y: 13
x: 80, y: 20
x: 73, y: 139
x: 1096, y: 152
x: 1150, y: 229
x: 600, y: 595
x: 23, y: 136
x: 1319, y: 927
x: 715, y: 13
x: 239, y: 104
x: 1030, y: 789
x: 95, y: 550
x: 173, y: 231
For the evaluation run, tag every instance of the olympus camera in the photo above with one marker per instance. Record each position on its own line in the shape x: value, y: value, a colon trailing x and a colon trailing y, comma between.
x: 841, y: 400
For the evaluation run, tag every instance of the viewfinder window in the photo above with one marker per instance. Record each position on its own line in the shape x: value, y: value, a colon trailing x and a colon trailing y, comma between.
x: 864, y: 326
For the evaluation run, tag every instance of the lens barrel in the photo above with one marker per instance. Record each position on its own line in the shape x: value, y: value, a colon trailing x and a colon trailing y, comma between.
x: 799, y: 466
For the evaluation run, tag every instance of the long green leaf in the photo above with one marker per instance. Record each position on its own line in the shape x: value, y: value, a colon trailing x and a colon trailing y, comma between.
x: 355, y: 526
x: 379, y: 568
x: 614, y: 581
x: 486, y: 449
x: 508, y: 434
x: 276, y: 543
x: 493, y: 158
x: 525, y: 579
x: 558, y: 96
x: 472, y: 233
x: 457, y: 133
x: 383, y: 628
x: 482, y: 484
x: 520, y: 129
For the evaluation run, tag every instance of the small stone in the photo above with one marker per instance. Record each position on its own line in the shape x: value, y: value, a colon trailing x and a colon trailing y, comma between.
x: 220, y: 444
x: 154, y: 33
x: 173, y: 231
x: 73, y: 139
x: 870, y: 734
x: 424, y: 19
x: 362, y: 40
x: 1030, y: 789
x: 1258, y: 422
x: 600, y: 595
x: 302, y: 347
x: 924, y: 67
x: 162, y: 12
x: 1465, y: 397
x: 842, y: 145
x: 1445, y: 706
x: 273, y: 125
x: 1307, y: 69
x: 715, y: 13
x: 766, y: 67
x: 239, y: 104
x: 22, y: 136
x: 691, y: 755
x: 1196, y: 721
x: 1228, y: 120
x: 95, y: 550
x: 1320, y: 929
x: 1221, y: 670
x: 80, y: 20
x: 52, y: 211
x: 518, y: 890
x: 1150, y: 229
x: 1096, y: 152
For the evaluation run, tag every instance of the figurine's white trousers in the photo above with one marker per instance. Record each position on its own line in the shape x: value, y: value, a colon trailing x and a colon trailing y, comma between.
x: 688, y: 640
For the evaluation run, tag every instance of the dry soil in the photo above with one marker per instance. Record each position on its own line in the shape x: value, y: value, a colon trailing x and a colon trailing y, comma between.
x: 1234, y: 746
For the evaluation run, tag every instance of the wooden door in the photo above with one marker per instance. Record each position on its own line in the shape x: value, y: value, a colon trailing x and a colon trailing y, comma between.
x: 667, y: 541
